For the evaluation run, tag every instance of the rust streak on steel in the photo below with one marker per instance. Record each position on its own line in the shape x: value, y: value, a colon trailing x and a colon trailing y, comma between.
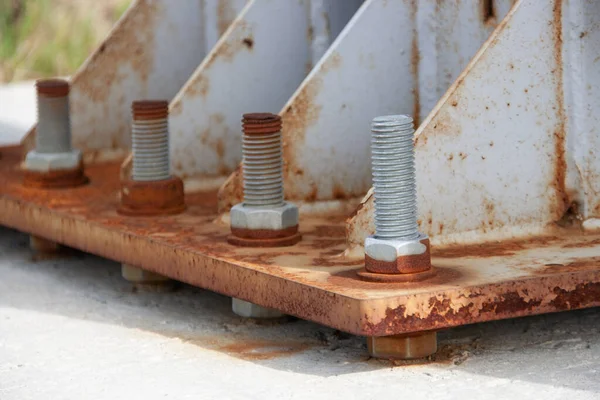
x: 311, y: 279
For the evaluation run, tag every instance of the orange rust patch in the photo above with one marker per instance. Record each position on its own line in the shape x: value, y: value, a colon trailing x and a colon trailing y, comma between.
x: 264, y: 350
x: 493, y: 249
x: 152, y: 198
x: 581, y: 264
x: 505, y: 304
x: 198, y: 85
x: 329, y: 231
x: 578, y: 245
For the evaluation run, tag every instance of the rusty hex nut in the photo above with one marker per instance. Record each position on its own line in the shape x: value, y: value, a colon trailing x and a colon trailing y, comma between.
x: 152, y: 198
x: 397, y: 256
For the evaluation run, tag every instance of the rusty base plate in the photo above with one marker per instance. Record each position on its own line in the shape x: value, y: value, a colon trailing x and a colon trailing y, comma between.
x: 312, y: 279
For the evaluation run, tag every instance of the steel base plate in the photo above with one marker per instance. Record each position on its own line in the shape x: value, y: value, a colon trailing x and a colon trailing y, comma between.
x: 312, y: 279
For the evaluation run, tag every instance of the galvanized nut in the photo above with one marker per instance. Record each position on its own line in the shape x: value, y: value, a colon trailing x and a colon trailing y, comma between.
x: 397, y: 251
x: 264, y: 219
x: 53, y: 163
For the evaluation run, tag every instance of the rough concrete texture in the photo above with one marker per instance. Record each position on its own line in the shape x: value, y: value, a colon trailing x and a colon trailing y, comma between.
x: 72, y: 328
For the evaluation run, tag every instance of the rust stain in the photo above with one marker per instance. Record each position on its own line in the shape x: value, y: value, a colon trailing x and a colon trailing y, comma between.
x: 198, y: 85
x: 330, y: 231
x: 338, y: 192
x: 129, y: 44
x: 238, y: 41
x: 176, y: 109
x: 254, y: 350
x: 579, y: 245
x: 297, y: 118
x: 560, y: 163
x: 492, y: 249
x: 225, y: 15
x: 415, y: 59
x: 581, y: 264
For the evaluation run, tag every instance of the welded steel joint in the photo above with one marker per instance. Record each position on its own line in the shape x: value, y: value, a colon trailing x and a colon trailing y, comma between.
x: 264, y: 219
x: 398, y: 251
x: 151, y: 190
x: 54, y: 163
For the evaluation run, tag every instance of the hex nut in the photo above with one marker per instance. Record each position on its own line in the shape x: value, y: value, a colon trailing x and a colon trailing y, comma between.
x: 46, y: 162
x: 397, y: 256
x: 146, y: 280
x: 254, y: 218
x: 246, y: 309
x: 403, y: 347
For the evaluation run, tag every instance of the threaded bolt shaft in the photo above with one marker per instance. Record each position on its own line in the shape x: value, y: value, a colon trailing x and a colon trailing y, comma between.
x: 53, y: 133
x: 393, y: 160
x: 150, y: 140
x: 263, y: 160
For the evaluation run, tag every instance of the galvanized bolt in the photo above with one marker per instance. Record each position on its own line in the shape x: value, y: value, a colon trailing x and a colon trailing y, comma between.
x: 150, y: 140
x: 263, y: 160
x: 394, y: 178
x: 397, y: 248
x: 150, y: 145
x: 53, y: 134
x: 397, y: 251
x: 53, y: 150
x: 264, y: 219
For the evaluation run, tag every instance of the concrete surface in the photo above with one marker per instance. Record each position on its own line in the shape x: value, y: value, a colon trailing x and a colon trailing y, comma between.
x: 72, y: 328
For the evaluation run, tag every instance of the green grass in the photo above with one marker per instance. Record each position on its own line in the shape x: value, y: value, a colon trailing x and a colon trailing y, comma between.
x: 44, y: 38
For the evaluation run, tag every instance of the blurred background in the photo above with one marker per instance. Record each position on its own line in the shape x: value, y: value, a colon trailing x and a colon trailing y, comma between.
x: 38, y: 39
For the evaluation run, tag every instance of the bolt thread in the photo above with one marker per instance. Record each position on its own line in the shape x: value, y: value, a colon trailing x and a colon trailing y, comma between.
x: 53, y: 132
x: 393, y: 162
x: 263, y: 160
x: 150, y: 141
